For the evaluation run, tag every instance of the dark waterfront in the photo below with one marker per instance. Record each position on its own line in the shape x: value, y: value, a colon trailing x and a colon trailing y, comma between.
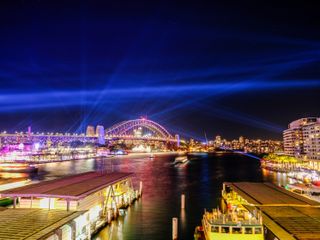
x: 200, y: 179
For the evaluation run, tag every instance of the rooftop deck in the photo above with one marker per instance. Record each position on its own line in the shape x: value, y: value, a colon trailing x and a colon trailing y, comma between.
x: 269, y: 194
x: 32, y: 223
x: 286, y: 214
x: 72, y: 187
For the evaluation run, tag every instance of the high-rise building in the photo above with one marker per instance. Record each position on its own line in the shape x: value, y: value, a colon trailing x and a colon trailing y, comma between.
x: 311, y: 135
x: 299, y: 139
x: 100, y: 134
x: 90, y: 131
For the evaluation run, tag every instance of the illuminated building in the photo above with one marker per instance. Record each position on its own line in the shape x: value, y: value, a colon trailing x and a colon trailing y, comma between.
x: 217, y: 141
x: 297, y: 138
x: 97, y: 196
x: 100, y: 133
x: 249, y: 145
x: 311, y: 135
x: 90, y: 131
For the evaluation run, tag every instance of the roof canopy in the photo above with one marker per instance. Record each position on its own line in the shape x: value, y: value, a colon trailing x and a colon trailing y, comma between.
x: 73, y: 187
x: 32, y: 223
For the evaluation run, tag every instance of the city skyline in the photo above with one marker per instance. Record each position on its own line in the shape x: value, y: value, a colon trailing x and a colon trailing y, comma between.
x: 93, y: 129
x: 196, y: 68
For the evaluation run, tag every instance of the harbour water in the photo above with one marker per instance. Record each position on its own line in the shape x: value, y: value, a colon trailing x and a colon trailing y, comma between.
x: 200, y: 179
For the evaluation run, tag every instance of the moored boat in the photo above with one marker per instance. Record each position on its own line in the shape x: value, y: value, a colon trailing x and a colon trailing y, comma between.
x: 232, y: 222
x: 17, y: 167
x: 307, y: 190
x: 4, y: 202
x: 233, y: 225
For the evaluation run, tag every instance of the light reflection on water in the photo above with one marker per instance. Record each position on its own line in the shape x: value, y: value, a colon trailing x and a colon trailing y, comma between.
x: 163, y: 183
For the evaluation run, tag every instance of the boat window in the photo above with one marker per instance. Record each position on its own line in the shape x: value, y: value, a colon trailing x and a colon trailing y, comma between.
x: 214, y: 229
x: 257, y: 230
x: 248, y: 230
x: 225, y: 229
x: 237, y: 230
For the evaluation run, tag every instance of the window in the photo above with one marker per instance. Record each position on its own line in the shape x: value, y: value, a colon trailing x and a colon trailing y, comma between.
x: 215, y: 229
x: 257, y: 230
x: 237, y: 230
x: 248, y: 230
x: 225, y: 229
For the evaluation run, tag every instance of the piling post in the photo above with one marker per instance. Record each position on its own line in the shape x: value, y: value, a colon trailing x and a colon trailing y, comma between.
x: 174, y: 228
x: 183, y: 201
x: 14, y: 202
x: 68, y: 205
x: 140, y: 189
x: 109, y: 216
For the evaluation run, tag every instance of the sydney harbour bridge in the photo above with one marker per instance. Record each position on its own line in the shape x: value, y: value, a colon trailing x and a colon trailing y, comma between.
x: 138, y: 129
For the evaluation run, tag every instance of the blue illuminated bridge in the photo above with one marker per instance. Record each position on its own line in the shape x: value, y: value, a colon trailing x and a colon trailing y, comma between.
x: 124, y: 130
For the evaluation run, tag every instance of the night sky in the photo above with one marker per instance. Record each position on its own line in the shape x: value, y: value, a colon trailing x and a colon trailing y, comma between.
x: 226, y: 68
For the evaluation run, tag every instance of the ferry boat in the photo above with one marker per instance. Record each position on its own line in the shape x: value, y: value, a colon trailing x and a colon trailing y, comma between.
x: 235, y: 225
x: 232, y: 222
x: 17, y: 167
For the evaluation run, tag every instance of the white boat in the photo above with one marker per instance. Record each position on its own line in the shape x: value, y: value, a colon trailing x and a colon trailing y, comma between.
x: 180, y: 159
x: 233, y: 225
x: 234, y: 222
x: 307, y: 190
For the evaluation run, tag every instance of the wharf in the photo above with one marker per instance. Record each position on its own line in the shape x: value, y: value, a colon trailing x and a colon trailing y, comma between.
x: 97, y: 196
x: 286, y: 215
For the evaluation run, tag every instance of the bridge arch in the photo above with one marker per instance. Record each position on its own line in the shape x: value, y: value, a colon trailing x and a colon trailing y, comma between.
x: 120, y: 129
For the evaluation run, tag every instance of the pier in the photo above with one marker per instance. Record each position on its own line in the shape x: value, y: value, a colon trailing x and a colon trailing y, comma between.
x: 97, y: 195
x: 286, y: 215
